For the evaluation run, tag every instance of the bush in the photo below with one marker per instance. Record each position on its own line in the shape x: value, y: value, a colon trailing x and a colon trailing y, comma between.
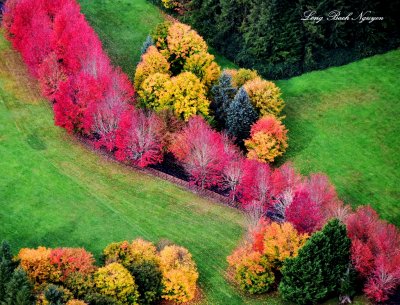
x: 186, y: 96
x: 265, y: 96
x: 319, y: 267
x: 116, y: 282
x: 179, y: 274
x: 18, y: 290
x: 152, y: 90
x: 252, y: 270
x: 242, y: 76
x: 79, y: 284
x: 160, y: 34
x: 204, y: 67
x: 152, y: 62
x: 76, y: 302
x: 268, y: 140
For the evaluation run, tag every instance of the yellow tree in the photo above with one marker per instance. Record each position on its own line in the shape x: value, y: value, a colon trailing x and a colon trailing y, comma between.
x: 204, y: 67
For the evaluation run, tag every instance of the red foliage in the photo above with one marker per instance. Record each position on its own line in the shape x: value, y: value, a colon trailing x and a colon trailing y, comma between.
x: 258, y: 235
x: 71, y: 260
x: 139, y: 138
x: 202, y: 151
x: 375, y: 252
x: 50, y: 75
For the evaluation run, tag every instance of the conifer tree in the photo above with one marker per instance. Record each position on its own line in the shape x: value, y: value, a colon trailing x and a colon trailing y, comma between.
x: 19, y: 290
x: 223, y: 93
x: 319, y: 268
x: 240, y: 116
x: 7, y: 267
x: 54, y: 295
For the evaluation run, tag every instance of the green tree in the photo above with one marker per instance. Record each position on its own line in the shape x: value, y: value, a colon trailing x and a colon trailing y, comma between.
x: 7, y: 267
x: 54, y: 295
x: 318, y: 270
x: 240, y: 116
x: 19, y: 290
x: 223, y: 94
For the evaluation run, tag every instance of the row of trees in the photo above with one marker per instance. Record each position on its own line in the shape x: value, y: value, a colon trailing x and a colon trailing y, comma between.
x: 133, y: 273
x: 271, y: 36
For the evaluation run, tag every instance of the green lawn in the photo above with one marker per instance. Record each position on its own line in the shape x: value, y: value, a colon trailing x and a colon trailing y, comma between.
x: 345, y: 121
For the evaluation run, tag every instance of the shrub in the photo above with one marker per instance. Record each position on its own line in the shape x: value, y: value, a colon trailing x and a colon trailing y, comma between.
x: 160, y: 34
x: 36, y: 264
x: 319, y: 267
x: 268, y: 140
x: 240, y: 115
x: 202, y: 153
x: 252, y: 270
x: 179, y: 274
x: 152, y: 62
x: 152, y: 90
x: 242, y: 76
x: 18, y: 290
x: 116, y: 282
x: 204, y: 67
x: 146, y: 44
x: 79, y: 284
x: 186, y: 96
x: 56, y: 295
x: 139, y: 139
x: 265, y: 96
x: 182, y: 42
x: 76, y: 302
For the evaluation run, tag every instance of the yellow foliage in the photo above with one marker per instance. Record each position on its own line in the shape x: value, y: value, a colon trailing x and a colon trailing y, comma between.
x: 152, y: 62
x: 241, y: 76
x: 76, y: 302
x: 282, y: 241
x: 186, y: 96
x: 183, y: 42
x: 160, y: 34
x: 204, y: 67
x: 36, y: 263
x: 265, y: 96
x: 268, y: 140
x: 115, y: 281
x: 152, y: 89
x: 142, y: 250
x: 179, y: 274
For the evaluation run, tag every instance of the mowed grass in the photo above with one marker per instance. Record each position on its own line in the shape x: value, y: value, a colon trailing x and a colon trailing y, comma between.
x: 345, y: 122
x: 123, y: 26
x: 55, y: 192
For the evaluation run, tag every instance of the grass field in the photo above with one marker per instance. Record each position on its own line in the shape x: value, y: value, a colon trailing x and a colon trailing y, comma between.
x: 344, y: 121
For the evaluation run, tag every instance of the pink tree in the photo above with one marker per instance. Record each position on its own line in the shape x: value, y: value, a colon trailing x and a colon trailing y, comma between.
x: 139, y: 138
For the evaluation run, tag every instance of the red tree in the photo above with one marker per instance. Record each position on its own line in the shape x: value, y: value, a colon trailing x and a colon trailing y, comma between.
x: 51, y: 74
x: 202, y: 152
x: 139, y: 138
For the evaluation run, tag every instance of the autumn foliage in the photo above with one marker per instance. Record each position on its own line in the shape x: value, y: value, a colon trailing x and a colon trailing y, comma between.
x: 268, y: 139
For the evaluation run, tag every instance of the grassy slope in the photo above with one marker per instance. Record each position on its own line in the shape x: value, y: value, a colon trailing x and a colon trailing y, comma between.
x: 54, y: 192
x: 344, y: 121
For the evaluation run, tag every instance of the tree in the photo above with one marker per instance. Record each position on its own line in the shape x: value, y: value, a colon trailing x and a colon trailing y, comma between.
x: 240, y: 116
x: 116, y: 282
x: 268, y: 139
x: 19, y: 290
x: 54, y: 295
x: 179, y: 274
x: 51, y: 74
x: 186, y: 96
x: 7, y: 267
x: 223, y: 94
x: 202, y: 153
x: 265, y: 97
x: 203, y: 65
x: 152, y: 62
x: 242, y: 76
x: 319, y: 267
x: 152, y: 89
x: 139, y: 138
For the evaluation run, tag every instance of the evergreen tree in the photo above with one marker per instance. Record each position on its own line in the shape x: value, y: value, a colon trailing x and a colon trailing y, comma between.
x: 19, y: 290
x: 7, y: 267
x: 223, y: 93
x: 146, y: 44
x: 240, y: 116
x: 320, y: 267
